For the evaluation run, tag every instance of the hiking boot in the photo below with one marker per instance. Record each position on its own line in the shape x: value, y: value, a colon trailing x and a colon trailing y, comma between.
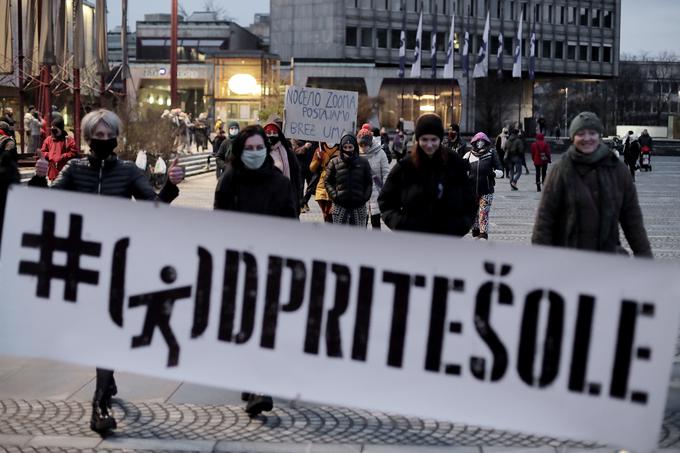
x: 259, y: 403
x: 513, y: 186
x: 475, y: 232
x: 484, y: 236
x: 245, y: 396
x: 102, y: 421
x: 538, y: 187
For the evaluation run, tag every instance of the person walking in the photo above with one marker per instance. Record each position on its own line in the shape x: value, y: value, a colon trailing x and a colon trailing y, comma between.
x: 541, y: 155
x: 501, y: 139
x: 304, y: 151
x: 322, y: 157
x: 631, y: 153
x: 349, y: 184
x: 485, y: 167
x: 253, y: 184
x: 454, y: 142
x: 429, y: 190
x: 58, y: 148
x: 223, y: 152
x: 646, y: 148
x: 514, y: 155
x: 102, y: 173
x: 284, y: 157
x: 380, y: 168
x: 587, y: 195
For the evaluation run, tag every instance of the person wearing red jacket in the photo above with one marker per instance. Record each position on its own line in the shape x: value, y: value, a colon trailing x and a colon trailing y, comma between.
x: 58, y: 148
x: 540, y: 154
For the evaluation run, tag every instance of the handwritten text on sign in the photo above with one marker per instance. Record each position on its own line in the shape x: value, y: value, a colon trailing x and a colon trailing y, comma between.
x: 469, y: 325
x: 315, y: 114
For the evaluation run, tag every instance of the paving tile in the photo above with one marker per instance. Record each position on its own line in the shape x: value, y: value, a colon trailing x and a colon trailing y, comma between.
x: 64, y: 442
x: 7, y: 440
x: 123, y: 443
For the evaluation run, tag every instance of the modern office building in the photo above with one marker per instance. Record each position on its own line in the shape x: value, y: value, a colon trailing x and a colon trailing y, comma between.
x: 354, y: 44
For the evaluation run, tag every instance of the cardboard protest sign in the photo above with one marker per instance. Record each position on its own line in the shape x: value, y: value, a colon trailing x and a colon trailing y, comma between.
x: 315, y: 114
x: 538, y: 340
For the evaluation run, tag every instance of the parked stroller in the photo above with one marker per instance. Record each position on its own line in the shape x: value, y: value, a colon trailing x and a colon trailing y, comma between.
x: 646, y: 158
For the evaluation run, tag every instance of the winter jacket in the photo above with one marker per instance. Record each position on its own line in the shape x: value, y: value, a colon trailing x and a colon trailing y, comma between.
x: 540, y: 151
x: 459, y: 146
x: 111, y: 177
x: 263, y: 191
x: 380, y: 168
x: 435, y: 197
x: 631, y: 151
x: 321, y: 164
x: 9, y: 172
x: 514, y: 149
x: 223, y: 155
x: 348, y: 182
x: 58, y: 151
x: 646, y: 140
x: 482, y: 171
x: 576, y: 212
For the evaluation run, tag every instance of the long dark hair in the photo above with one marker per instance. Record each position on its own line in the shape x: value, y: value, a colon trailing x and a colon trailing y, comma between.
x: 240, y: 143
x: 417, y: 153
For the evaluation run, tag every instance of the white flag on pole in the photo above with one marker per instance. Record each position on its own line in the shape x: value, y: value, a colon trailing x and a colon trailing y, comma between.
x: 448, y: 66
x: 482, y: 65
x: 517, y: 55
x: 417, y: 54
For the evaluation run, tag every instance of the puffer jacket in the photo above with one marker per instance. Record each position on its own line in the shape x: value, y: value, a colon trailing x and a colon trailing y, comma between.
x: 348, y: 182
x: 540, y: 151
x: 574, y: 208
x: 435, y: 197
x: 264, y: 191
x: 328, y: 153
x: 110, y: 177
x: 380, y: 168
x: 482, y: 171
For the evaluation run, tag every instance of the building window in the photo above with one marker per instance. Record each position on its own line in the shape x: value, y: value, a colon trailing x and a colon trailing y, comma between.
x: 608, y: 22
x: 427, y: 40
x: 571, y: 51
x: 595, y: 22
x: 381, y: 38
x: 499, y: 8
x: 548, y: 14
x: 512, y: 10
x: 365, y: 4
x: 472, y: 8
x: 571, y: 15
x: 561, y: 15
x: 395, y: 41
x: 508, y: 45
x: 525, y: 14
x: 442, y: 40
x: 547, y: 49
x: 595, y: 54
x: 584, y: 17
x: 351, y: 36
x: 583, y: 53
x: 607, y: 54
x: 410, y: 39
x: 559, y: 50
x: 537, y: 13
x: 366, y: 37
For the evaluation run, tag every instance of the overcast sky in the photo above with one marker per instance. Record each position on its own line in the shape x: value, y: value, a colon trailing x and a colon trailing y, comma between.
x: 646, y: 26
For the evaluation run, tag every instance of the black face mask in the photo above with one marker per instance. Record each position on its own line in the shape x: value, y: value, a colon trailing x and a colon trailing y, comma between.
x: 103, y: 148
x: 273, y: 139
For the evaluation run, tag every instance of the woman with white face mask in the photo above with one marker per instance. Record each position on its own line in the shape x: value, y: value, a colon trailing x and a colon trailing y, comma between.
x: 587, y: 194
x: 251, y: 183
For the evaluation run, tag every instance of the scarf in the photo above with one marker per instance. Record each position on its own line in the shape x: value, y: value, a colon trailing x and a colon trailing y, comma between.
x: 280, y: 157
x: 595, y: 161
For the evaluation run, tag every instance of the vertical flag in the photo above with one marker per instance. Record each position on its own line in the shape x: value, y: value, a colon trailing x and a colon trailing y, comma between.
x: 433, y: 45
x: 402, y: 43
x: 532, y: 53
x: 482, y: 65
x: 499, y: 55
x: 517, y: 55
x: 465, y: 54
x: 448, y: 67
x: 417, y: 54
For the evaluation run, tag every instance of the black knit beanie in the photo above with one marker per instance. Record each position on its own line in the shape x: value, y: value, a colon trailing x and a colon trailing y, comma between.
x: 429, y: 123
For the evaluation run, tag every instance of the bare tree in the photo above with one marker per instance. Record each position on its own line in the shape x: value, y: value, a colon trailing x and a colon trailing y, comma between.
x: 182, y: 10
x: 212, y: 5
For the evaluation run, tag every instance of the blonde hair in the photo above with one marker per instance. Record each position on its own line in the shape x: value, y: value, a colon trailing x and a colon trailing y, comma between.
x: 92, y: 119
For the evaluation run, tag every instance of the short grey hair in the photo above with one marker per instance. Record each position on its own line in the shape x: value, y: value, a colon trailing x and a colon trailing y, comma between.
x: 92, y: 119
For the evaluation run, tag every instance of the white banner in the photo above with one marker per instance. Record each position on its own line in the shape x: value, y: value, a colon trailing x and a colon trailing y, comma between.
x: 532, y: 339
x: 315, y: 114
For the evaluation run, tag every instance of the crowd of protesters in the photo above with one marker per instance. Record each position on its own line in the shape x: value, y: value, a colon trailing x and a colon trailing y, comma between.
x: 440, y: 184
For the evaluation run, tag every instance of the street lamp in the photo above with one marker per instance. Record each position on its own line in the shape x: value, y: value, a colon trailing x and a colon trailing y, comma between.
x: 566, y: 110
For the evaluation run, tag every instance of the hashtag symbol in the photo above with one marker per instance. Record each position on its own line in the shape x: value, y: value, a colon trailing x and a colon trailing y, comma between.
x: 74, y: 247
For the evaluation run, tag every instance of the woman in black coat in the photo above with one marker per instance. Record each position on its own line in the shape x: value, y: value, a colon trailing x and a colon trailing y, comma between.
x: 429, y: 190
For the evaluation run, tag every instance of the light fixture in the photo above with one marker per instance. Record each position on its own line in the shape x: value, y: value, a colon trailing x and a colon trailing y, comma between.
x: 427, y: 108
x: 243, y: 84
x: 162, y: 71
x: 151, y: 99
x: 160, y: 100
x: 167, y: 102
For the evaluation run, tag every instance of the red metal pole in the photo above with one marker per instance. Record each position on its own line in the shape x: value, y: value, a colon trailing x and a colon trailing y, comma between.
x: 76, y: 107
x: 20, y: 42
x: 173, y: 57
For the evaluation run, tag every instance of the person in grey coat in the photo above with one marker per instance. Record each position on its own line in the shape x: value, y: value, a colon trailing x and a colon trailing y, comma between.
x: 380, y: 168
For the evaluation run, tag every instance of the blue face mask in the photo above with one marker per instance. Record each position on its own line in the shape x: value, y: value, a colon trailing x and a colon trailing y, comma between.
x: 254, y: 159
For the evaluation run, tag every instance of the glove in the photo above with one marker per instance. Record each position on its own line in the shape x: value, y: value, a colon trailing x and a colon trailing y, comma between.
x: 176, y: 173
x: 498, y: 173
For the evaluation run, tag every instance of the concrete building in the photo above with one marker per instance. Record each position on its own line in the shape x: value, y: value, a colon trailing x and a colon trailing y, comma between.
x: 115, y: 48
x: 355, y: 44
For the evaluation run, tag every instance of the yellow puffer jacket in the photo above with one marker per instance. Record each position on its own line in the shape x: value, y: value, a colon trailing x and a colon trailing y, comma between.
x: 320, y: 160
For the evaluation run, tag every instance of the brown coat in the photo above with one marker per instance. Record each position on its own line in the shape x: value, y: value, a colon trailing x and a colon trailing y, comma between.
x: 572, y: 210
x: 327, y: 154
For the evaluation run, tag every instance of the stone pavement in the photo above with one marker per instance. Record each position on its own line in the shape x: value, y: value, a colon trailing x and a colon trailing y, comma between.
x: 44, y: 404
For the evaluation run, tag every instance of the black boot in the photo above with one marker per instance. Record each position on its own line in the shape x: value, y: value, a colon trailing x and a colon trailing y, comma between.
x: 538, y: 187
x: 484, y: 236
x: 259, y: 403
x: 475, y: 232
x: 102, y: 421
x: 245, y: 396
